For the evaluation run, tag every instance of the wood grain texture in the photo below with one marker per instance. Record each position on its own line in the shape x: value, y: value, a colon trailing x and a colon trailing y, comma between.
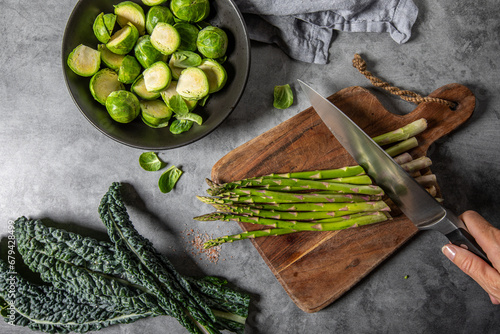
x: 316, y: 268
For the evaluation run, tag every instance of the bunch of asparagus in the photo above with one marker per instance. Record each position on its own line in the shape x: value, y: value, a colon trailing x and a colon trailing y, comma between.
x: 322, y: 200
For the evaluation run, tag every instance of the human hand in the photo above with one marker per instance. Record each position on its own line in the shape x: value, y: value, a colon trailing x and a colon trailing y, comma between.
x: 488, y: 238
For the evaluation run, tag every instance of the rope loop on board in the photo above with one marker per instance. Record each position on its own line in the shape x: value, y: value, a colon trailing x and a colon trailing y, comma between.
x: 360, y: 64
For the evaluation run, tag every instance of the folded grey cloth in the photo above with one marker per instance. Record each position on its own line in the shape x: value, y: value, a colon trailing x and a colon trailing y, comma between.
x: 304, y: 28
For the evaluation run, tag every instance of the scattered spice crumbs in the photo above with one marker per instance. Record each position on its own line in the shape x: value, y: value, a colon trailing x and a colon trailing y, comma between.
x: 196, y: 239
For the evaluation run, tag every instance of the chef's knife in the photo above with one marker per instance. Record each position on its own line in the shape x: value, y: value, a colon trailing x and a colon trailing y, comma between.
x: 413, y: 200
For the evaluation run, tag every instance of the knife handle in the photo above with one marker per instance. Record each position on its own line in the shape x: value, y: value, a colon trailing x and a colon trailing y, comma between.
x: 462, y: 238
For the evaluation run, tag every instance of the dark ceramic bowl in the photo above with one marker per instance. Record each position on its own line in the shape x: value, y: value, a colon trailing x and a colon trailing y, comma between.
x: 223, y: 14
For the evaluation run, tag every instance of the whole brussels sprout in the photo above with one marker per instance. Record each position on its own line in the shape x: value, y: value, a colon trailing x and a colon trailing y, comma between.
x: 189, y: 34
x: 158, y: 14
x: 212, y: 42
x: 190, y: 10
x: 129, y: 70
x: 145, y: 52
x: 123, y: 106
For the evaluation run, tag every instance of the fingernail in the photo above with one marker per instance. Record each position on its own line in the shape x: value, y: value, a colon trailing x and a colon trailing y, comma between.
x: 449, y: 252
x: 494, y: 300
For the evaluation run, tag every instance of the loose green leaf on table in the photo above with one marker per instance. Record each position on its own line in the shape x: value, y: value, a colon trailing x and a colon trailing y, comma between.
x: 283, y: 96
x: 168, y: 179
x: 149, y: 161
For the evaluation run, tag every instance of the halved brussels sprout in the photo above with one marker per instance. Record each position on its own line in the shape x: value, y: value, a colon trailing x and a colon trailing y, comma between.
x: 169, y: 97
x: 165, y: 38
x: 123, y: 41
x: 103, y: 27
x: 189, y: 35
x: 155, y: 113
x: 139, y: 88
x: 112, y: 60
x: 145, y: 52
x: 192, y: 84
x: 216, y: 75
x: 128, y: 11
x: 123, y: 106
x: 103, y: 83
x: 129, y: 70
x: 158, y: 14
x: 190, y: 10
x: 84, y: 60
x: 212, y: 42
x: 157, y: 77
x: 185, y: 59
x: 109, y: 21
x: 153, y: 2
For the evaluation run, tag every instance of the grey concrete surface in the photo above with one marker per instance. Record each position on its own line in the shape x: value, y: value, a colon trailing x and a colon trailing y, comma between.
x: 56, y: 165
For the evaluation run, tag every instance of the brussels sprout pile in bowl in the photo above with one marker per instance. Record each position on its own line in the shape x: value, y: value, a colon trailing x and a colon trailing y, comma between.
x: 103, y: 109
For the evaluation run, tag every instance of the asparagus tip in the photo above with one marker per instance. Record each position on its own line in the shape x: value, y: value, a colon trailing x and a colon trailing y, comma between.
x: 209, y: 216
x: 214, y: 242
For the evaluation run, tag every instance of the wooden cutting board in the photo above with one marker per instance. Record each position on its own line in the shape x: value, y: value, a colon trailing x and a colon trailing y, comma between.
x: 316, y: 268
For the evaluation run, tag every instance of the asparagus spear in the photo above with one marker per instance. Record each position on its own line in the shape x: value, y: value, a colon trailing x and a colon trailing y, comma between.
x: 403, y: 158
x: 267, y: 196
x: 321, y: 174
x: 358, y: 179
x: 417, y: 164
x: 342, y: 207
x: 313, y: 225
x: 402, y: 147
x: 248, y: 235
x: 332, y: 226
x: 403, y: 133
x: 432, y: 190
x: 287, y: 184
x: 285, y: 215
x: 292, y: 184
x: 367, y: 206
x: 341, y: 188
x: 427, y: 180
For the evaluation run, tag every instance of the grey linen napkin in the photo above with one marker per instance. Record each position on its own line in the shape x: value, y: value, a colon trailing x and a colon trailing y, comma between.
x: 304, y: 29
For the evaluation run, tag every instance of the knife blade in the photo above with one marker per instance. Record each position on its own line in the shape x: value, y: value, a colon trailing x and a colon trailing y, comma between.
x: 413, y: 200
